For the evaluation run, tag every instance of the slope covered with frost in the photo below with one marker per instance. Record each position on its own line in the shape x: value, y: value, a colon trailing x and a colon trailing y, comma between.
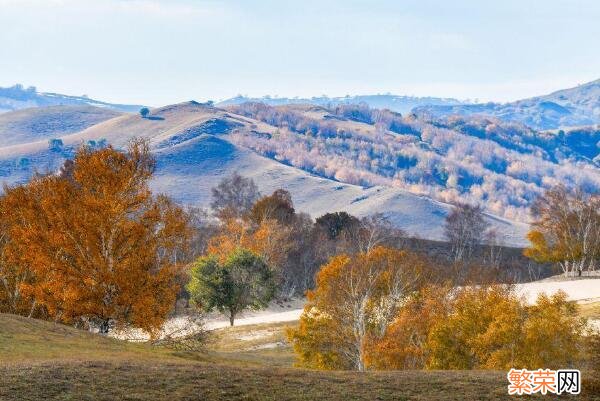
x: 194, y: 147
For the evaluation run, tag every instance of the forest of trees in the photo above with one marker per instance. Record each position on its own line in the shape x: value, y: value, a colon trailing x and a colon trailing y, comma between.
x: 501, y: 166
x: 92, y: 246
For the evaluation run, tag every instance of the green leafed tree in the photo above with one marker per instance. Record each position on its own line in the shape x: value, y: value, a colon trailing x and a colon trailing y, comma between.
x: 144, y: 111
x: 243, y: 281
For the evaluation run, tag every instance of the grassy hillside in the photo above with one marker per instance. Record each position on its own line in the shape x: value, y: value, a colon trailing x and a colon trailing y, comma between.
x: 41, y: 360
x: 42, y: 123
x: 195, y: 151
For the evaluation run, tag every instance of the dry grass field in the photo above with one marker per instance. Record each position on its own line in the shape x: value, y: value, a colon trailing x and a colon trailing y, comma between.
x: 45, y: 361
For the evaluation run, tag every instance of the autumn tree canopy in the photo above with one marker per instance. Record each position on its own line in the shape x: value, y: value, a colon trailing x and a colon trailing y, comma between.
x: 383, y: 309
x: 440, y: 327
x: 100, y: 248
x: 16, y: 278
x: 355, y: 299
x: 491, y: 328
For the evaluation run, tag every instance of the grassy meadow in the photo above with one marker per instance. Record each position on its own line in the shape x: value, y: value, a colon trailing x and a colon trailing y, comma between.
x: 43, y: 360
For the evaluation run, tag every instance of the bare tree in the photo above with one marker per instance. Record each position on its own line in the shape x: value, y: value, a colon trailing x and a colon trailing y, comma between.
x: 234, y: 196
x: 465, y: 227
x: 493, y: 253
x: 372, y: 231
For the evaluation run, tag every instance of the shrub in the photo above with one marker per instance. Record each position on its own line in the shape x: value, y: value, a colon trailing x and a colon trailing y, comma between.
x: 55, y: 144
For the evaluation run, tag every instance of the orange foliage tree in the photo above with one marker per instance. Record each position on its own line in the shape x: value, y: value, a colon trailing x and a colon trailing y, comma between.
x: 269, y: 239
x: 15, y: 277
x: 100, y: 247
x: 355, y: 300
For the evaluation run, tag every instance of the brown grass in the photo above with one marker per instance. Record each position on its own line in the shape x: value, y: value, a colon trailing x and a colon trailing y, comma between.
x: 43, y: 361
x: 590, y: 310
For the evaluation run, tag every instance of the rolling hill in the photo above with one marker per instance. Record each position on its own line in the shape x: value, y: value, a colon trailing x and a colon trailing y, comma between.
x: 196, y: 146
x: 41, y: 123
x: 502, y: 166
x: 18, y: 97
x: 579, y: 106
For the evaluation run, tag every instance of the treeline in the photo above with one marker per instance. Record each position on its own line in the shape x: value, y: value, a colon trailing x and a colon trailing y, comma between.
x: 300, y: 123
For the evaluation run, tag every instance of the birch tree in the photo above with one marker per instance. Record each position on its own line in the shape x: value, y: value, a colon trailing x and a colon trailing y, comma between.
x: 566, y: 230
x: 465, y: 227
x: 355, y: 300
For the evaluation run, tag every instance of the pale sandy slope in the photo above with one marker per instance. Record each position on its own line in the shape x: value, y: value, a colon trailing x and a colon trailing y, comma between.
x: 577, y: 290
x: 42, y: 123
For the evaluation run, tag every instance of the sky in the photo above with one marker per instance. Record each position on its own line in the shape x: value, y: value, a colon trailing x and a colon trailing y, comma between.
x: 157, y: 52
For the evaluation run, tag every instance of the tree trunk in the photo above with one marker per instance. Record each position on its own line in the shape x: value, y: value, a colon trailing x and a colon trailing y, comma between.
x: 33, y: 304
x: 361, y: 360
x: 104, y: 326
x: 231, y: 318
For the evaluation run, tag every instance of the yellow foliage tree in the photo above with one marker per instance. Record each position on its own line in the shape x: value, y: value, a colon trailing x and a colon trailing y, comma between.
x: 490, y: 328
x: 482, y: 330
x: 566, y: 230
x: 404, y: 344
x: 553, y: 333
x: 355, y: 299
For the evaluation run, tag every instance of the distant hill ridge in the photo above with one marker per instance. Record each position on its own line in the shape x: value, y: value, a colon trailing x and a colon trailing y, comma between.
x: 578, y: 106
x: 573, y: 107
x: 18, y: 97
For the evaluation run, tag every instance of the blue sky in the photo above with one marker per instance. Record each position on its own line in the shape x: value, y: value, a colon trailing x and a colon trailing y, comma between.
x: 158, y: 52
